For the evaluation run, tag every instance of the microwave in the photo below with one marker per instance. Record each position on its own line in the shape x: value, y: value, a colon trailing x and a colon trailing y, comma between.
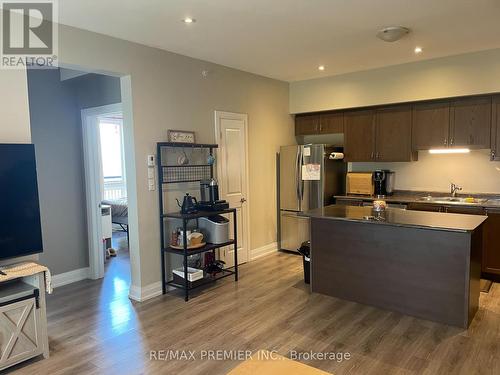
x: 359, y: 183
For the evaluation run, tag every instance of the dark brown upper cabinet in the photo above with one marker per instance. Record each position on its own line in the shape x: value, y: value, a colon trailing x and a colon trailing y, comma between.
x: 495, y: 129
x: 380, y: 135
x: 359, y: 136
x: 306, y: 124
x: 459, y: 123
x: 397, y: 132
x: 393, y: 134
x: 330, y: 123
x: 470, y: 124
x: 325, y: 123
x: 431, y: 125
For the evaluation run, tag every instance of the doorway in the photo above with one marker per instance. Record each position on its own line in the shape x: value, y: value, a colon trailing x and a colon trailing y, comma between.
x: 69, y: 204
x: 106, y: 178
x: 231, y: 134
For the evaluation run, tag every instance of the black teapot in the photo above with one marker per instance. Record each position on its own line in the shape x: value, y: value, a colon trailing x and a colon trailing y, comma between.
x: 188, y: 204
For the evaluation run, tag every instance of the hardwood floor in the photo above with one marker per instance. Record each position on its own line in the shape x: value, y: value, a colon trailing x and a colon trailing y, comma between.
x: 95, y: 329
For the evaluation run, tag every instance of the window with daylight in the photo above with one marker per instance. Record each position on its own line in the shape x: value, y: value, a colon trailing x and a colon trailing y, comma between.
x: 113, y: 168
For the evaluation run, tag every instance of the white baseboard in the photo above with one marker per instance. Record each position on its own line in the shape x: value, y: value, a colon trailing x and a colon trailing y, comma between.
x: 263, y: 250
x: 153, y: 290
x: 70, y: 277
x: 135, y: 293
x: 142, y: 294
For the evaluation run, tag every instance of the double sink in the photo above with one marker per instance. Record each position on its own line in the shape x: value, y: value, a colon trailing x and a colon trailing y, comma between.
x: 462, y: 200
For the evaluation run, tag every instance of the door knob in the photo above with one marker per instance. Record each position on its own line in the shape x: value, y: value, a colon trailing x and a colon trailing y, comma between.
x: 243, y: 200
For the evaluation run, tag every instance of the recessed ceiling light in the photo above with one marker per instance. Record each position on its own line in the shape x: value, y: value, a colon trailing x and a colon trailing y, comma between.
x: 418, y: 50
x: 321, y: 67
x: 188, y: 20
x: 449, y: 151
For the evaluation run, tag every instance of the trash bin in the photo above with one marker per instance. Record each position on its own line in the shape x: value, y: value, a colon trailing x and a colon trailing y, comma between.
x: 305, y: 250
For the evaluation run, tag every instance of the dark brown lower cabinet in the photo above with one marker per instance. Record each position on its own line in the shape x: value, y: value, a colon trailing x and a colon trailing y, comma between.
x: 349, y: 202
x: 424, y: 207
x: 465, y: 210
x: 491, y: 236
x: 491, y: 243
x: 491, y: 231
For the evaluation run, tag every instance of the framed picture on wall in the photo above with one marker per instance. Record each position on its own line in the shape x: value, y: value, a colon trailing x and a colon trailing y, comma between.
x: 181, y: 136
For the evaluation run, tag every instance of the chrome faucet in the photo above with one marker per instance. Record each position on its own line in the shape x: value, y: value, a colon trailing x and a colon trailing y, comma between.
x: 453, y: 189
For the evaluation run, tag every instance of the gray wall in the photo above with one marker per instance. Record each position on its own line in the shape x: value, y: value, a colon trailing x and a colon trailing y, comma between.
x: 165, y: 90
x: 56, y: 132
x: 94, y: 90
x: 168, y: 91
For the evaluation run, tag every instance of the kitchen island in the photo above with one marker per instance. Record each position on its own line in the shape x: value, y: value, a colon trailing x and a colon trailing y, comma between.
x: 424, y: 264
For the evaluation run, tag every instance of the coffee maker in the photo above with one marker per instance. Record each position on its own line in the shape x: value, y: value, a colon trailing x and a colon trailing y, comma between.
x: 383, y: 183
x: 209, y: 192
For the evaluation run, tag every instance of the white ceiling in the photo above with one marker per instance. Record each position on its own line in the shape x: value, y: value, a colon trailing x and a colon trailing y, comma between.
x: 289, y: 39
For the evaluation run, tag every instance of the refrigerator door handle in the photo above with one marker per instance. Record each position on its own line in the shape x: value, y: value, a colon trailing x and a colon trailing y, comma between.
x: 301, y: 179
x: 297, y: 175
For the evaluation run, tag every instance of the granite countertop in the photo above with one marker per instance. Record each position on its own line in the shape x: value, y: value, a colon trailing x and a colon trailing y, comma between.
x: 487, y: 200
x: 399, y: 217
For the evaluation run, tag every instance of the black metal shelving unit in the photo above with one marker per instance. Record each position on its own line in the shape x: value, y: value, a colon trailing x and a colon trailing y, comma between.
x: 168, y: 174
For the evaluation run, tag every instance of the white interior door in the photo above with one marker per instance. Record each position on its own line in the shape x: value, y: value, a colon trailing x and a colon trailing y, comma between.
x: 93, y: 187
x: 231, y: 135
x: 92, y: 159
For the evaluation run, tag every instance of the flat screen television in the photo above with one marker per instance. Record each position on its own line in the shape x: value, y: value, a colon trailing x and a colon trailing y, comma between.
x: 20, y: 227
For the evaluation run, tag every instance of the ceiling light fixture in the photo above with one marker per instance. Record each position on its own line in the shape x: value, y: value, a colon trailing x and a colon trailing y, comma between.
x: 321, y: 67
x: 418, y: 50
x: 449, y: 151
x: 188, y: 20
x: 392, y: 33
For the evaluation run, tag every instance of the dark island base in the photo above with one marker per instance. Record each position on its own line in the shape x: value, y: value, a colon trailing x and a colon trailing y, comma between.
x: 430, y: 274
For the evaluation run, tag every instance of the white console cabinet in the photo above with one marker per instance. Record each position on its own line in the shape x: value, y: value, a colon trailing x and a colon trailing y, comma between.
x: 23, y: 321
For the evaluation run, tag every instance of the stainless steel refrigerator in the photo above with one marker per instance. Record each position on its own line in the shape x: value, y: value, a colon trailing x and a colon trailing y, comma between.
x: 307, y: 179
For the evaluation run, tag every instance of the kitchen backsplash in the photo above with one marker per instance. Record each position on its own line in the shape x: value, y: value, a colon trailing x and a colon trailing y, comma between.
x: 474, y: 172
